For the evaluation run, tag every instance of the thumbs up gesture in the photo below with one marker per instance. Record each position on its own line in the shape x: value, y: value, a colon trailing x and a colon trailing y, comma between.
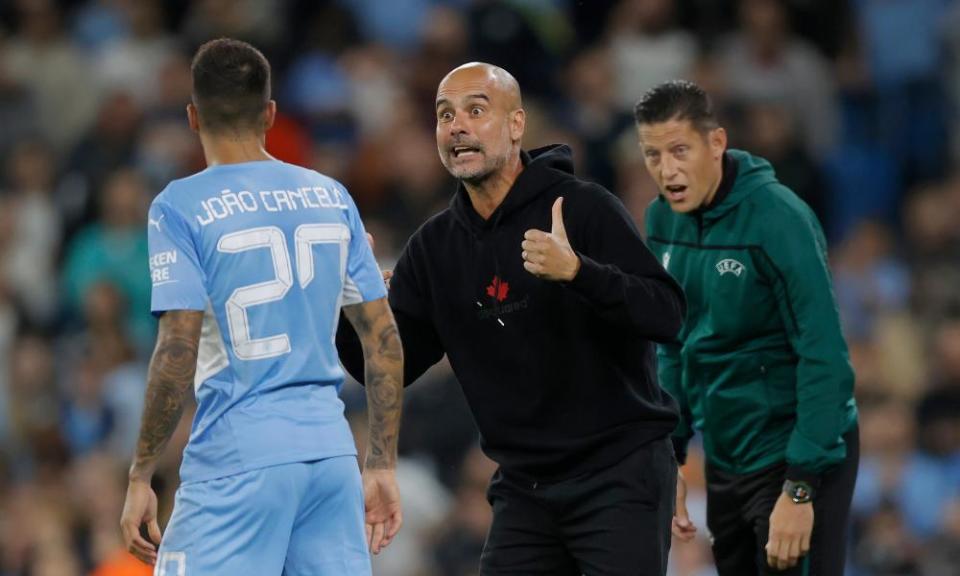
x: 548, y: 255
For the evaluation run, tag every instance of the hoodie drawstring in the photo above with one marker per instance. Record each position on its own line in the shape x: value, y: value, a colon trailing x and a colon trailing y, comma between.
x: 496, y: 268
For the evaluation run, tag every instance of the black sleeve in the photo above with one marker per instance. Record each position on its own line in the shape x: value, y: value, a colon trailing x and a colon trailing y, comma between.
x: 350, y: 349
x: 620, y: 277
x: 421, y: 344
x: 421, y: 347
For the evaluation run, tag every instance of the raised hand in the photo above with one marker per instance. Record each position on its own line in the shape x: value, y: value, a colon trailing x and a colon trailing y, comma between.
x: 548, y: 255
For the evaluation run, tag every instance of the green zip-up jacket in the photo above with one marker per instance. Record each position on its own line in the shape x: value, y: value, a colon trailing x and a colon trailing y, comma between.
x: 761, y: 368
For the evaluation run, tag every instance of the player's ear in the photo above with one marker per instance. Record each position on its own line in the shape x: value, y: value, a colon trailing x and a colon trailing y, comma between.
x: 193, y: 118
x: 269, y: 115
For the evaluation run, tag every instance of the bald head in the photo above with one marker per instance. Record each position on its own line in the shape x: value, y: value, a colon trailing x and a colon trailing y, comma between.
x: 485, y: 77
x: 480, y: 121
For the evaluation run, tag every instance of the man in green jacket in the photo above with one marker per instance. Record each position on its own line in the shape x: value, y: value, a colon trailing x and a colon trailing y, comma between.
x: 760, y: 367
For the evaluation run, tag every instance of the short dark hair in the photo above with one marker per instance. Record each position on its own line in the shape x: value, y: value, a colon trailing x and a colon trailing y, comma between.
x: 231, y: 85
x: 676, y: 100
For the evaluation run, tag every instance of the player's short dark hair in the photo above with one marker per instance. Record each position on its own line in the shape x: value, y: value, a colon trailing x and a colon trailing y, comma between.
x: 231, y: 85
x: 676, y: 100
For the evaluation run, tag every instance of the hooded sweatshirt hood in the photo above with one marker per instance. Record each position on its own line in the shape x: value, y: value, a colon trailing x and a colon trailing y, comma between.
x: 752, y: 172
x: 542, y: 169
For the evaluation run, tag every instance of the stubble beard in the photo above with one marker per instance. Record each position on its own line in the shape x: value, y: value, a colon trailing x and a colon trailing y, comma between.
x: 479, y: 175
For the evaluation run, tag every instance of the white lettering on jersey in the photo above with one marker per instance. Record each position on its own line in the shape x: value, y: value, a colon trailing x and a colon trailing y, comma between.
x: 228, y: 203
x: 729, y: 265
x: 160, y: 267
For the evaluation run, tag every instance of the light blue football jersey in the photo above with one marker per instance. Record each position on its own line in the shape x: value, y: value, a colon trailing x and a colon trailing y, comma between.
x: 270, y: 251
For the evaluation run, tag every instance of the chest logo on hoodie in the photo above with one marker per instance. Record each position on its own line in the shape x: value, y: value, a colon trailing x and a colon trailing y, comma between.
x: 729, y: 265
x: 498, y: 289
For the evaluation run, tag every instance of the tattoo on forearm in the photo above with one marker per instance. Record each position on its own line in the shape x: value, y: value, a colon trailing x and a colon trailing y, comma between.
x: 384, y: 397
x: 170, y: 378
x: 383, y: 355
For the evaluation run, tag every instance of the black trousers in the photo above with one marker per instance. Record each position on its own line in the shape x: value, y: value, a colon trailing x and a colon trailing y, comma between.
x: 612, y: 522
x: 738, y: 517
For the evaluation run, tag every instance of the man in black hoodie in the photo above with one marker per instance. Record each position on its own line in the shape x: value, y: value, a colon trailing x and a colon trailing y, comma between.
x: 549, y: 335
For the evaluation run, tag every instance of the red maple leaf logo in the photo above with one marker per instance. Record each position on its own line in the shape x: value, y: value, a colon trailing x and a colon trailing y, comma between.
x: 498, y: 289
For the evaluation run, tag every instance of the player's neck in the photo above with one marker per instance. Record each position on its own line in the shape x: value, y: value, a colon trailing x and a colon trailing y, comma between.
x: 489, y: 193
x: 233, y: 148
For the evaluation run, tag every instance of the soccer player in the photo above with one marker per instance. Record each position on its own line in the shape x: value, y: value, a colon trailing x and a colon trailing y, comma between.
x: 251, y: 262
x: 539, y: 289
x: 760, y: 368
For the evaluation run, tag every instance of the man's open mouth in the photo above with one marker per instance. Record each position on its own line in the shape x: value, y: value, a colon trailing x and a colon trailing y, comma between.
x: 459, y: 151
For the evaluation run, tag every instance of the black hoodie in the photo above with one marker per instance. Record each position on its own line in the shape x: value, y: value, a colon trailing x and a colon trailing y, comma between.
x: 560, y: 377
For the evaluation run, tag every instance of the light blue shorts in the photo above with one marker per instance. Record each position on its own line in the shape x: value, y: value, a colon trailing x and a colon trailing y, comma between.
x: 300, y: 519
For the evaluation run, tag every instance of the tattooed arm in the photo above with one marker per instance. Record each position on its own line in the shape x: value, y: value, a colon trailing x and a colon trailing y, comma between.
x: 383, y: 374
x: 168, y: 383
x: 383, y: 367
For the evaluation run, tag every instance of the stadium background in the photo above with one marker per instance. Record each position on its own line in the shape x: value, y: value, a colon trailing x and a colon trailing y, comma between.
x: 854, y: 102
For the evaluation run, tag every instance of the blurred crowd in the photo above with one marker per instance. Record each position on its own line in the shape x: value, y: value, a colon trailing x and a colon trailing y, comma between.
x: 853, y: 101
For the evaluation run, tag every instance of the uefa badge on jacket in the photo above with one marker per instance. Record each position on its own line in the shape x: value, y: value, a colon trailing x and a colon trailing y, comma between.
x: 730, y: 266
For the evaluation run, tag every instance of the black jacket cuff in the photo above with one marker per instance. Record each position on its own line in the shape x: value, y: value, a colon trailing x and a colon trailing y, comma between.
x: 680, y: 449
x: 800, y: 474
x: 588, y: 277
